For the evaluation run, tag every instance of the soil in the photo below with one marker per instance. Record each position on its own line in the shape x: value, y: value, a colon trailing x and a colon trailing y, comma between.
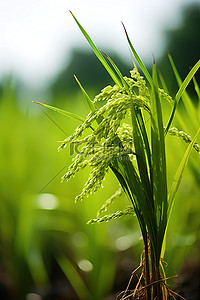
x: 188, y: 282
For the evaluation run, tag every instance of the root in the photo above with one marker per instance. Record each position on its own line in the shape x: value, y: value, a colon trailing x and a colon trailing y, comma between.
x: 139, y: 292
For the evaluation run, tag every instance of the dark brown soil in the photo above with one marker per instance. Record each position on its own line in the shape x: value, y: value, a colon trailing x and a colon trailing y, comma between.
x: 188, y: 282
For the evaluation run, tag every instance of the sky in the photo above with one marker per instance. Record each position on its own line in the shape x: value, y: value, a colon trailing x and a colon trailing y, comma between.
x: 36, y: 36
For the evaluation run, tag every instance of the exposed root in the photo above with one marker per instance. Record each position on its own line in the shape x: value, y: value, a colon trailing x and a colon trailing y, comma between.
x: 139, y: 292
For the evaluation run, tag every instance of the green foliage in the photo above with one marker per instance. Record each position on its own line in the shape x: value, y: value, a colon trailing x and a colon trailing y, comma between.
x: 36, y: 226
x: 145, y: 183
x: 143, y: 179
x: 130, y: 139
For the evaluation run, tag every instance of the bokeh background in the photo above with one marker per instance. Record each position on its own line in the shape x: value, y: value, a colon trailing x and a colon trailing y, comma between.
x: 47, y: 251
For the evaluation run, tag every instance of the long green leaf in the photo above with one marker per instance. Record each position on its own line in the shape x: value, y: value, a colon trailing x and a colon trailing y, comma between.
x: 189, y: 105
x: 98, y: 53
x: 141, y: 64
x: 74, y: 277
x: 117, y: 71
x: 142, y: 205
x: 140, y: 150
x: 89, y: 101
x: 61, y: 111
x: 175, y: 185
x: 181, y: 91
x: 159, y: 164
x: 196, y: 87
x: 141, y: 123
x: 163, y: 83
x: 178, y: 175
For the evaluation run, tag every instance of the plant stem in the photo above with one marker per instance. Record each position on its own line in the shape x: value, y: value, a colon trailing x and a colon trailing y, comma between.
x: 147, y: 271
x: 157, y: 290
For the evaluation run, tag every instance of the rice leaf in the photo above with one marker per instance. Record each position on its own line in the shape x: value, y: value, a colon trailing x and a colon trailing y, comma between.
x: 159, y: 164
x: 181, y: 90
x: 175, y: 185
x: 135, y: 191
x: 140, y: 150
x: 189, y: 105
x: 141, y: 64
x: 89, y: 101
x: 163, y: 83
x: 178, y: 175
x: 61, y: 111
x: 117, y: 71
x: 196, y: 86
x: 98, y: 53
x: 158, y: 142
x: 73, y: 276
x: 187, y: 81
x: 145, y: 138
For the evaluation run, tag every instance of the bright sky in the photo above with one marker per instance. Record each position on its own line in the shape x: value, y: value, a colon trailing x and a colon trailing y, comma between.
x: 36, y: 35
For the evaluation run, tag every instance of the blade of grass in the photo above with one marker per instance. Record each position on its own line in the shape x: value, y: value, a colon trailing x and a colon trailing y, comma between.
x: 159, y: 164
x: 144, y: 210
x: 196, y: 86
x: 117, y: 71
x: 73, y: 277
x: 178, y: 175
x: 175, y: 185
x: 98, y: 53
x: 61, y: 111
x: 181, y: 91
x: 189, y: 105
x: 89, y: 101
x: 141, y: 64
x: 163, y: 83
x: 145, y: 137
x: 140, y: 150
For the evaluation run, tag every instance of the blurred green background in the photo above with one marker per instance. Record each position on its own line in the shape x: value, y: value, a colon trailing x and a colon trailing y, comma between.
x: 47, y: 251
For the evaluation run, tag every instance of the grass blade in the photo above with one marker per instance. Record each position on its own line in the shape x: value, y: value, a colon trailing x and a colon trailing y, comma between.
x: 89, y: 101
x: 125, y: 171
x: 117, y: 71
x: 163, y: 83
x: 181, y: 91
x: 159, y: 164
x: 141, y: 64
x: 61, y: 111
x: 74, y: 277
x: 140, y: 150
x: 178, y: 175
x: 185, y: 97
x: 196, y: 87
x: 175, y: 186
x: 98, y: 53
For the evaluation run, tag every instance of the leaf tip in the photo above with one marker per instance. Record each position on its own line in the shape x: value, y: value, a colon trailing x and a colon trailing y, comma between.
x: 169, y: 55
x: 105, y: 54
x: 38, y: 102
x: 154, y: 60
x: 124, y: 28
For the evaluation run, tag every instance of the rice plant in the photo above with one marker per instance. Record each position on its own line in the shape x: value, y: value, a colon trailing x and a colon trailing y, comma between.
x: 124, y: 132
